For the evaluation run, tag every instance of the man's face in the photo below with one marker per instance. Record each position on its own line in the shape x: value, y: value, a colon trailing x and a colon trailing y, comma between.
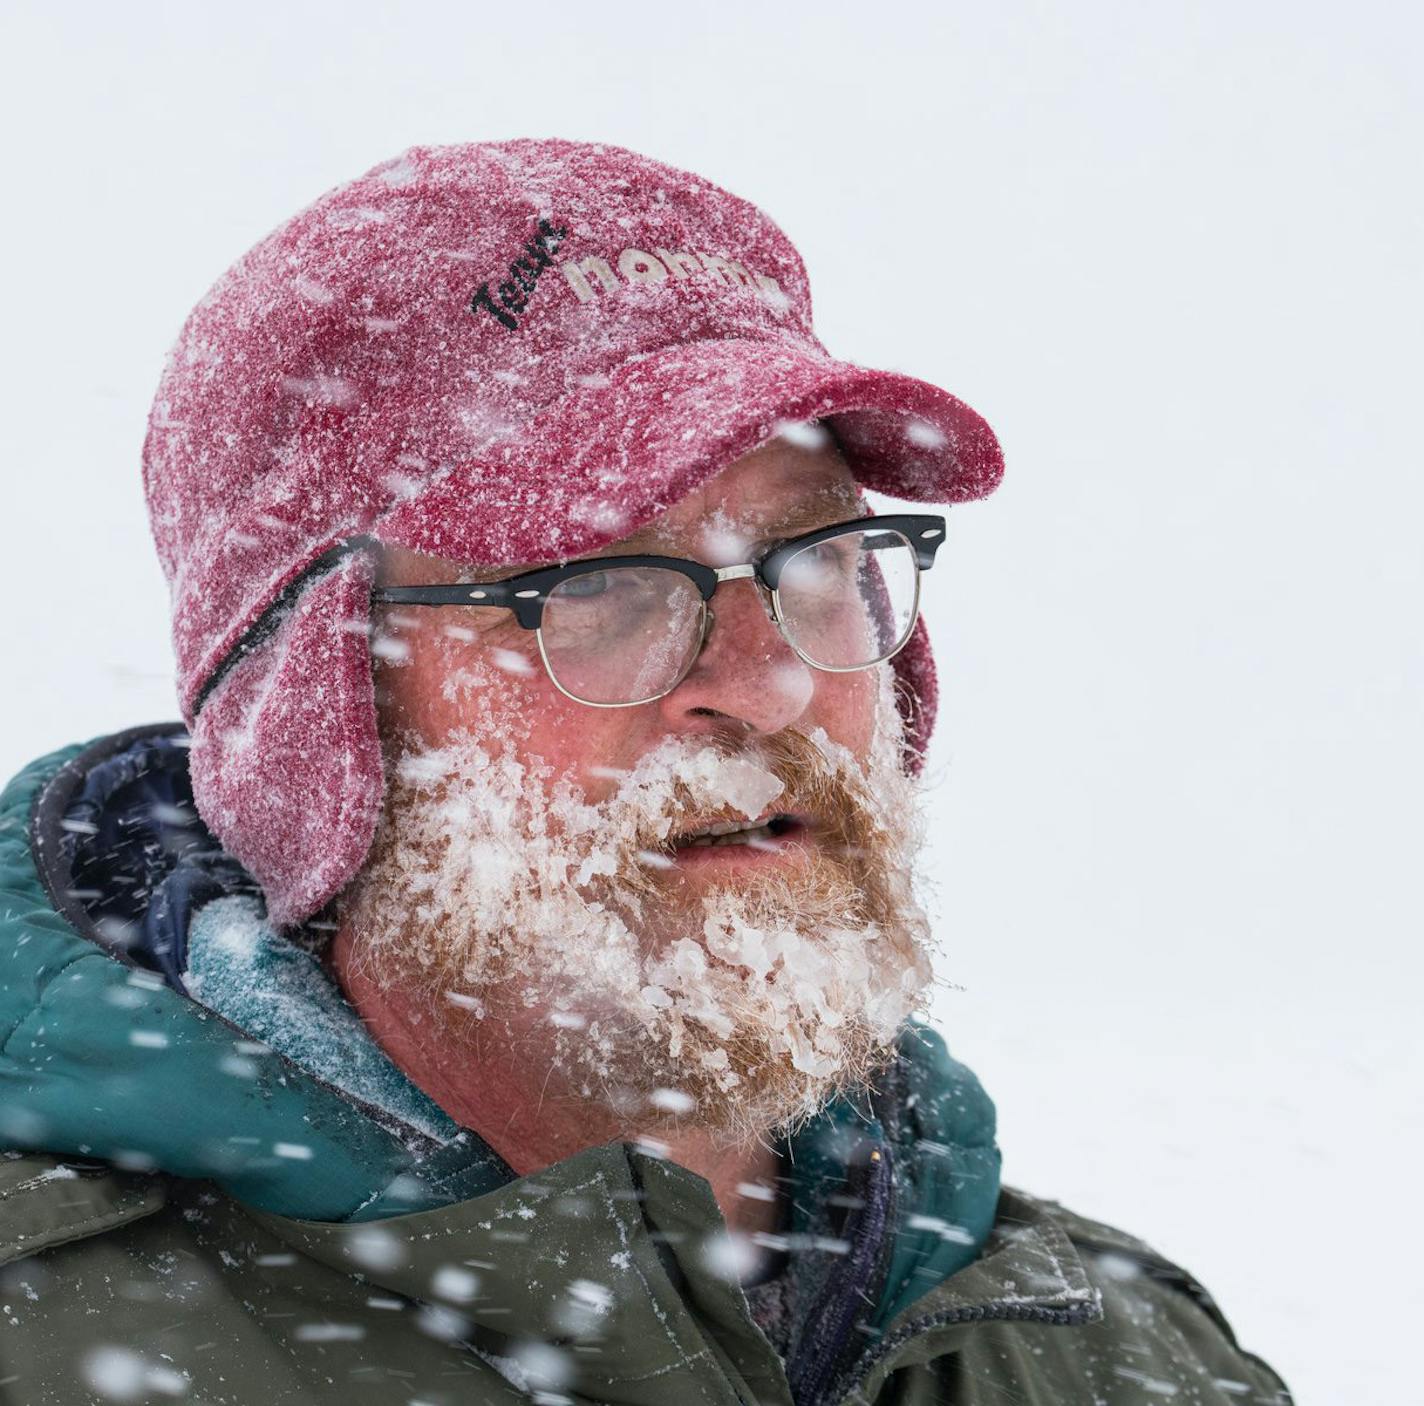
x: 528, y: 879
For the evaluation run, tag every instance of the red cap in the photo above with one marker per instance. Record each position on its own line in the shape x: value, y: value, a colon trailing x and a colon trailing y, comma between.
x: 498, y: 352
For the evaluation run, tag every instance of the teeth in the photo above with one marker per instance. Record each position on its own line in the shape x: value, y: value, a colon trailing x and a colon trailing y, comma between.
x: 724, y: 827
x: 733, y: 832
x: 733, y: 836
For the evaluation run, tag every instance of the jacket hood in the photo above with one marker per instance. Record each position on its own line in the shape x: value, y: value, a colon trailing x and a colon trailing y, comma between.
x: 150, y: 1018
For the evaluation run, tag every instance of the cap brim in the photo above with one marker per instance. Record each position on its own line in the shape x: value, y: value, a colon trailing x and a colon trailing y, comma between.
x: 619, y: 449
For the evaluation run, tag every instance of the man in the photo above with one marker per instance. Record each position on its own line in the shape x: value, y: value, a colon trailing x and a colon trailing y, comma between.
x: 501, y: 986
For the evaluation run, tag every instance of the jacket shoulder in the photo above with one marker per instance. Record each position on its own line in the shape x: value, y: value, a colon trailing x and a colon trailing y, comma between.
x: 47, y: 1201
x: 1130, y: 1274
x: 1114, y: 1251
x: 1087, y: 1233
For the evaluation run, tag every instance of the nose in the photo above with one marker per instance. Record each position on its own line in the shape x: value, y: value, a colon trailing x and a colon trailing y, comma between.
x: 746, y: 672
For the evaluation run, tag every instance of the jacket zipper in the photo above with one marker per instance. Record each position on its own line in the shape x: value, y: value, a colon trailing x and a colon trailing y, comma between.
x: 845, y: 1390
x: 809, y: 1381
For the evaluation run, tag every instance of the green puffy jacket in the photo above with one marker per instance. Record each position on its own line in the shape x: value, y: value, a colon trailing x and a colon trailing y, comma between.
x: 190, y: 1213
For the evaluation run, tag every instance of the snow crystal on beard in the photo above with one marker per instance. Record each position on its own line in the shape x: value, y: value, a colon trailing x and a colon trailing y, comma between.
x: 502, y: 894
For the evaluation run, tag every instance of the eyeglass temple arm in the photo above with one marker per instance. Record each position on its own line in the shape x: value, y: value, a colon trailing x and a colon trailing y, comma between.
x: 488, y: 593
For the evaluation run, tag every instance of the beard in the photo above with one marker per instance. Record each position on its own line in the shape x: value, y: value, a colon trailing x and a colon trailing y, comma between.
x: 526, y: 918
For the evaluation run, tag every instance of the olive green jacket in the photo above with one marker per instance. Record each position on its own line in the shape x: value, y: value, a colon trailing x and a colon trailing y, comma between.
x: 188, y: 1215
x: 587, y: 1283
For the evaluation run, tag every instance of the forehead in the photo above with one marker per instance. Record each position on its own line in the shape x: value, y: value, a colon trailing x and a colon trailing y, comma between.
x: 778, y: 490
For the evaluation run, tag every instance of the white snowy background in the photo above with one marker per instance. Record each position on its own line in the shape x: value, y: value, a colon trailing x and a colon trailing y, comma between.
x: 1176, y: 812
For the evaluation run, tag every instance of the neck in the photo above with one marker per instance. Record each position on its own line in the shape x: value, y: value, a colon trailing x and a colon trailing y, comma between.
x: 497, y: 1090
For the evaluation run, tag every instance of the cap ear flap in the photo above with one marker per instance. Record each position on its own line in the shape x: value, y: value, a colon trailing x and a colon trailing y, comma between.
x: 286, y: 757
x: 917, y: 693
x: 916, y: 683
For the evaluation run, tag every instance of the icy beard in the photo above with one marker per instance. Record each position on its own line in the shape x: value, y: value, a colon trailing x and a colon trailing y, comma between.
x: 526, y: 917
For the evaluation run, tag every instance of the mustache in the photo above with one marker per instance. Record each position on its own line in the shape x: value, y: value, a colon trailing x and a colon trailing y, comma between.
x: 622, y: 842
x: 832, y: 792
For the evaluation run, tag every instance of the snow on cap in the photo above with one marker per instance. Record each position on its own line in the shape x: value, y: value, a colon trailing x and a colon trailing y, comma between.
x: 499, y: 352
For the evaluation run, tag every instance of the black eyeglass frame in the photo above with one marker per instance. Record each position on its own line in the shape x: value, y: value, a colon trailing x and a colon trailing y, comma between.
x: 527, y: 593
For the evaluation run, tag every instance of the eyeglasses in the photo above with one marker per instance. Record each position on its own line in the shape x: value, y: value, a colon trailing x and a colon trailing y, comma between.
x: 618, y: 631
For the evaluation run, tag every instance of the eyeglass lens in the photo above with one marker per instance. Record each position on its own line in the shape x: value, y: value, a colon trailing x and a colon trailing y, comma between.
x: 630, y: 633
x: 850, y: 600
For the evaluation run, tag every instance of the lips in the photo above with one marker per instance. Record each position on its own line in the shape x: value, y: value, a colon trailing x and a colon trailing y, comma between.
x: 726, y: 834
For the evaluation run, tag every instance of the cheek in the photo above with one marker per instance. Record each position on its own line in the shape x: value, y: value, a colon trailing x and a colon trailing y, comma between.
x: 438, y: 678
x: 845, y: 704
x: 443, y: 682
